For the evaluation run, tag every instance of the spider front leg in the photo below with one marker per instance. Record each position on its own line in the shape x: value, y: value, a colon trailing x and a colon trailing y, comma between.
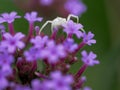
x: 47, y: 22
x: 71, y: 15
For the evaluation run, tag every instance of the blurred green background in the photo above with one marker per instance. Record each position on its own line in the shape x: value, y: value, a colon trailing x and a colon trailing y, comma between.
x: 103, y: 19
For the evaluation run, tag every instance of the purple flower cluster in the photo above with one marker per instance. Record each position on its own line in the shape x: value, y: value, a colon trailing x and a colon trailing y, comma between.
x: 51, y: 8
x: 78, y: 9
x: 57, y: 81
x: 40, y: 62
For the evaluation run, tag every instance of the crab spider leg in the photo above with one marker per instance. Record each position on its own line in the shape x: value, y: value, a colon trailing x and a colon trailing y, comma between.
x: 71, y: 15
x: 47, y: 22
x: 83, y: 30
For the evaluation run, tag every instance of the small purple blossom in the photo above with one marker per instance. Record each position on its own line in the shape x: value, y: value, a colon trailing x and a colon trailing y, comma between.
x: 87, y: 88
x: 5, y: 57
x: 15, y: 86
x: 32, y: 17
x: 54, y: 52
x: 46, y: 2
x: 83, y: 78
x: 37, y: 28
x: 32, y: 54
x: 9, y: 18
x: 38, y: 85
x: 78, y: 9
x: 2, y: 29
x: 13, y: 42
x: 3, y: 81
x: 69, y: 45
x: 39, y: 42
x: 7, y: 69
x: 89, y: 59
x: 59, y: 81
x: 88, y: 38
x: 73, y: 28
x: 5, y: 62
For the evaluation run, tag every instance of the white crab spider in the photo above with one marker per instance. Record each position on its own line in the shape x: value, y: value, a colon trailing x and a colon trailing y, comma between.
x: 58, y: 22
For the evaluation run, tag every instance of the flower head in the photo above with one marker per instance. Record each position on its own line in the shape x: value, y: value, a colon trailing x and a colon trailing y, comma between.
x: 23, y: 58
x: 78, y: 9
x: 32, y: 54
x: 39, y: 42
x: 9, y: 18
x: 13, y: 42
x: 89, y: 59
x: 32, y: 17
x: 69, y: 45
x: 73, y: 28
x: 46, y: 2
x: 88, y: 38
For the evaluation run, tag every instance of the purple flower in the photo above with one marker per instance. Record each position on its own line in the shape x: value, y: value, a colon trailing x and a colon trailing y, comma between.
x: 39, y: 42
x: 37, y: 28
x: 78, y: 9
x: 73, y: 28
x: 53, y: 52
x: 87, y: 38
x: 2, y: 29
x: 59, y: 82
x: 5, y: 61
x: 3, y: 81
x: 32, y: 54
x: 87, y: 88
x: 32, y: 17
x: 5, y: 58
x: 6, y: 69
x: 13, y: 42
x: 15, y: 86
x: 9, y: 18
x: 69, y: 45
x: 83, y: 79
x: 46, y: 2
x: 89, y: 59
x: 38, y: 85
